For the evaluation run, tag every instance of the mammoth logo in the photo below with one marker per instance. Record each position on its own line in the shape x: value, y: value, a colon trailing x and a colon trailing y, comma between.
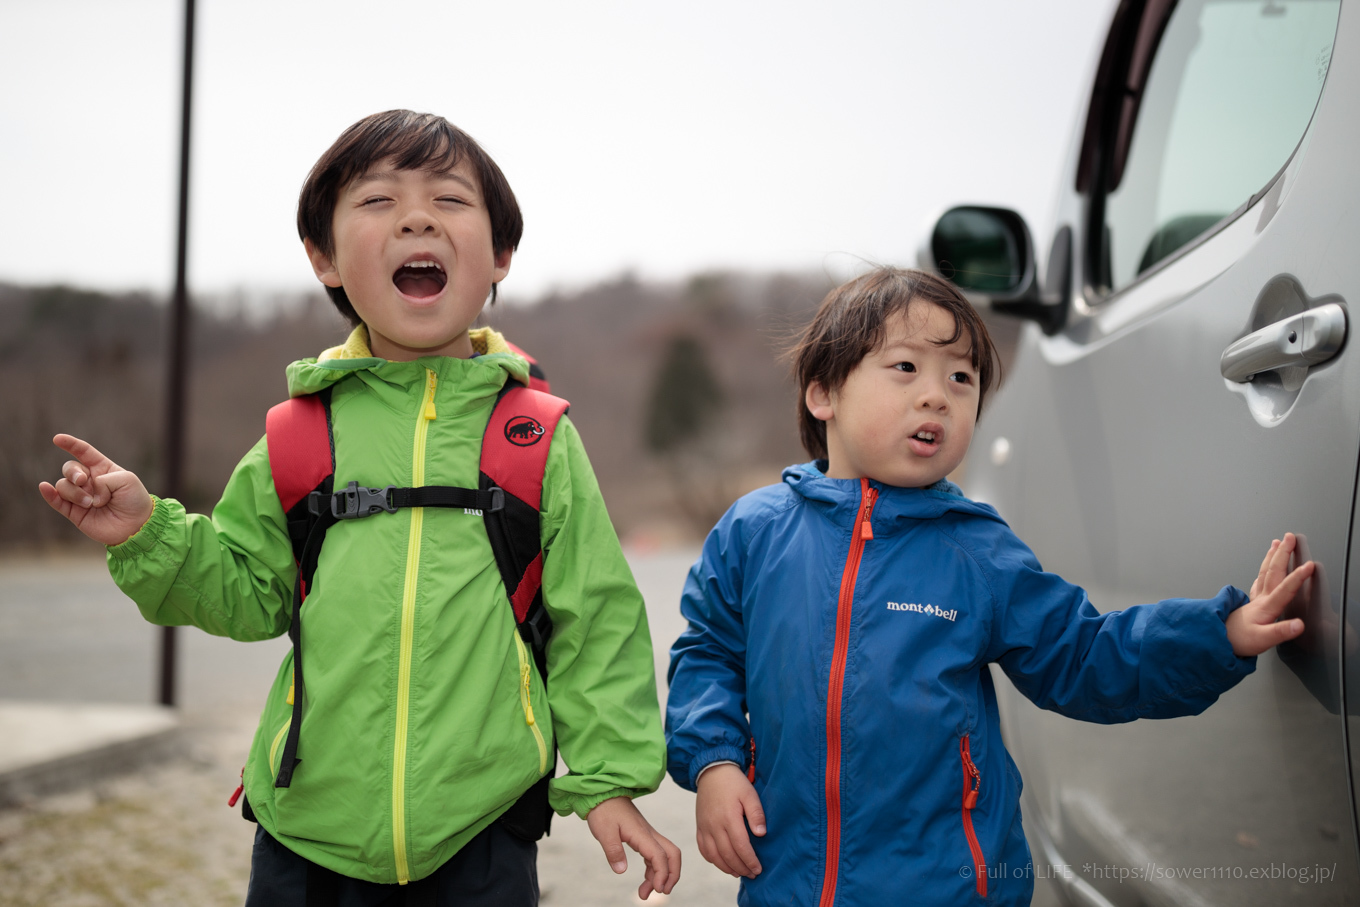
x: 523, y: 431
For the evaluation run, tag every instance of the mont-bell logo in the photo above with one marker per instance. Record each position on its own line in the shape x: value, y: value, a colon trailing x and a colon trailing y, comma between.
x: 523, y: 431
x: 947, y: 614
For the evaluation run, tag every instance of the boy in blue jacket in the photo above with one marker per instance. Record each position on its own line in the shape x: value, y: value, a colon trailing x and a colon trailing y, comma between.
x: 832, y: 689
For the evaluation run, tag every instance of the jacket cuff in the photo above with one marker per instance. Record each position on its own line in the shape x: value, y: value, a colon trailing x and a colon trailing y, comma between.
x: 1228, y: 600
x: 582, y: 804
x: 713, y: 765
x: 723, y: 752
x: 146, y: 538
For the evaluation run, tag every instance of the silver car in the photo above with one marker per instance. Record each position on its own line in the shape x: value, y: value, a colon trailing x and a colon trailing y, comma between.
x: 1183, y: 393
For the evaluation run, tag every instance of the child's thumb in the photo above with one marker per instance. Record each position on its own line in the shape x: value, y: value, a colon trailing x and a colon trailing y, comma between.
x: 755, y: 813
x: 1286, y: 630
x: 613, y: 850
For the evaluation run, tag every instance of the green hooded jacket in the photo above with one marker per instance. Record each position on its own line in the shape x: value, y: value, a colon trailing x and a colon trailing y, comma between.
x: 425, y: 717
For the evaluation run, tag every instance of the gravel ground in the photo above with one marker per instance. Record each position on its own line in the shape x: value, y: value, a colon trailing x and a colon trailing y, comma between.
x: 164, y: 835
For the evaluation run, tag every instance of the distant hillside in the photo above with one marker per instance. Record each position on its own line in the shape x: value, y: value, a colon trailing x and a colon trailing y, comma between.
x: 92, y: 364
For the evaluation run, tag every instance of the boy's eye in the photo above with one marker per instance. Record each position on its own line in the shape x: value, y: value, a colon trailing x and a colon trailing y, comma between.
x: 452, y: 198
x: 373, y: 199
x: 961, y: 378
x: 905, y: 367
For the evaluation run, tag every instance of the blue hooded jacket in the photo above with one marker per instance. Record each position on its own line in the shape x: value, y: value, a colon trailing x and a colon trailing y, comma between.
x: 839, y: 637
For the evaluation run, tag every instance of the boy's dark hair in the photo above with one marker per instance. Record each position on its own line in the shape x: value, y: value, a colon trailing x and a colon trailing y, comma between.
x: 849, y: 325
x: 415, y: 141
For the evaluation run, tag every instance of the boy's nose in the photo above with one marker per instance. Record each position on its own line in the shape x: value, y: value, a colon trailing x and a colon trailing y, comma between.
x: 932, y: 396
x: 418, y: 221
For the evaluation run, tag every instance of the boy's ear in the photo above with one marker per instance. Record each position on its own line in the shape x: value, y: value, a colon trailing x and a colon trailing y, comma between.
x: 322, y: 265
x: 502, y: 265
x: 818, y: 401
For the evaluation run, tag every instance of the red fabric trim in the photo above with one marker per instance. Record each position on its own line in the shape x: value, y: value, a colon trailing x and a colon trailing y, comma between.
x: 517, y: 466
x: 299, y: 448
x: 519, y: 352
x: 528, y: 587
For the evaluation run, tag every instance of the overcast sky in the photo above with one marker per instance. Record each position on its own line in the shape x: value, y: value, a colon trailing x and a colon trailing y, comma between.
x: 657, y: 138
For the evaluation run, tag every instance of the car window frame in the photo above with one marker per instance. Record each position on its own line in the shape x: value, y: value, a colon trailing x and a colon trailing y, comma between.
x: 1131, y: 46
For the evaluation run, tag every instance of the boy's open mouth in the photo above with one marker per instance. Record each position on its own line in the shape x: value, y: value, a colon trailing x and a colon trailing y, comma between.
x: 420, y: 279
x: 926, y: 441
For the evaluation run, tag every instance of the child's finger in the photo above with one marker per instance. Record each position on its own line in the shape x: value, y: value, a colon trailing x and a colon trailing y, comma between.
x: 613, y: 849
x: 79, y: 497
x: 713, y: 853
x: 653, y: 855
x: 1258, y: 586
x: 1267, y: 636
x: 745, y: 853
x: 81, y: 450
x: 1284, y: 631
x: 668, y: 875
x: 55, y: 500
x: 1272, y: 606
x: 1279, y: 561
x: 74, y: 473
x: 708, y: 849
x: 735, y: 864
x: 673, y: 864
x: 662, y: 878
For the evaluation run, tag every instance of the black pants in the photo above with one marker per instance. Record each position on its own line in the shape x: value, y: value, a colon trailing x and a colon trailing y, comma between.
x: 494, y: 869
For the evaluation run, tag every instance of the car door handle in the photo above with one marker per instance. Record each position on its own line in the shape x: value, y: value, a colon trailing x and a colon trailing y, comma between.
x: 1304, y: 339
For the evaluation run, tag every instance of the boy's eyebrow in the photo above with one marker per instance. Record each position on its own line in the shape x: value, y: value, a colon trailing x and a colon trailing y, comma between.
x: 388, y: 176
x: 912, y: 344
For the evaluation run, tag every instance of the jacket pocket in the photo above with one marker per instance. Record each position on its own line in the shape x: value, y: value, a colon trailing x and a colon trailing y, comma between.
x: 972, y: 784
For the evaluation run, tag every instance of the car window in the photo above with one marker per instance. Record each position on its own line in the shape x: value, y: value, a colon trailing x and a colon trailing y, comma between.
x: 1227, y: 99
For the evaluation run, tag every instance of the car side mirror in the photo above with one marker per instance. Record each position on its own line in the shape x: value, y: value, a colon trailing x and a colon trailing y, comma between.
x: 988, y: 253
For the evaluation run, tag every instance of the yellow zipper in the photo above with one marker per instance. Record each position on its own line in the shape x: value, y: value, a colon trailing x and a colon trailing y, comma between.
x: 274, y: 747
x: 525, y: 679
x: 408, y: 613
x: 278, y: 738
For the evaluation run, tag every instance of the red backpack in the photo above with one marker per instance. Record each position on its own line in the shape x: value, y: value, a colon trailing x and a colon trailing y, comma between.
x: 514, y: 455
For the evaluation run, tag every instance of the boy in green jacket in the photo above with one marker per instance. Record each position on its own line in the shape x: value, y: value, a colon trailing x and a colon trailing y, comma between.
x: 423, y: 719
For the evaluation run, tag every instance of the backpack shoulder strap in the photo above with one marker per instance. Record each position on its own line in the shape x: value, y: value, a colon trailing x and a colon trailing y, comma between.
x: 514, y: 457
x: 301, y: 457
x: 301, y: 460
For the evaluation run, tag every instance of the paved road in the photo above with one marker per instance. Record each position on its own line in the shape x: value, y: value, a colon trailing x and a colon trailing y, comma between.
x: 165, y: 836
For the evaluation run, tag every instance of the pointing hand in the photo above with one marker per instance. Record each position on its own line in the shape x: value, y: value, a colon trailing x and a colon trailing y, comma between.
x: 103, y: 500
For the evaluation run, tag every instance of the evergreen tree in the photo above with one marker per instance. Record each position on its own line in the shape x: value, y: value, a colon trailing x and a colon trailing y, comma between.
x: 685, y: 396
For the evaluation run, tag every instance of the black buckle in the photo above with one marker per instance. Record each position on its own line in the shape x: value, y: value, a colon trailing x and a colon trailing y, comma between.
x: 358, y: 502
x: 537, y: 628
x: 497, y: 499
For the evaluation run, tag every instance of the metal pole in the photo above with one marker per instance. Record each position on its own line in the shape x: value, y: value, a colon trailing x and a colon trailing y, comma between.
x: 177, y: 377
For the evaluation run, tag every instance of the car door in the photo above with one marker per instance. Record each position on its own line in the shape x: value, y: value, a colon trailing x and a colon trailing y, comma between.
x: 1213, y: 196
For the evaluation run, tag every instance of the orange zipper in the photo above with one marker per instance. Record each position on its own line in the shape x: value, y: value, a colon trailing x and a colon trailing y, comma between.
x: 862, y: 532
x: 972, y: 783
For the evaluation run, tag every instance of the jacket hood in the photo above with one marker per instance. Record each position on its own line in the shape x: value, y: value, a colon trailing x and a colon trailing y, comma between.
x: 307, y: 376
x: 894, y: 504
